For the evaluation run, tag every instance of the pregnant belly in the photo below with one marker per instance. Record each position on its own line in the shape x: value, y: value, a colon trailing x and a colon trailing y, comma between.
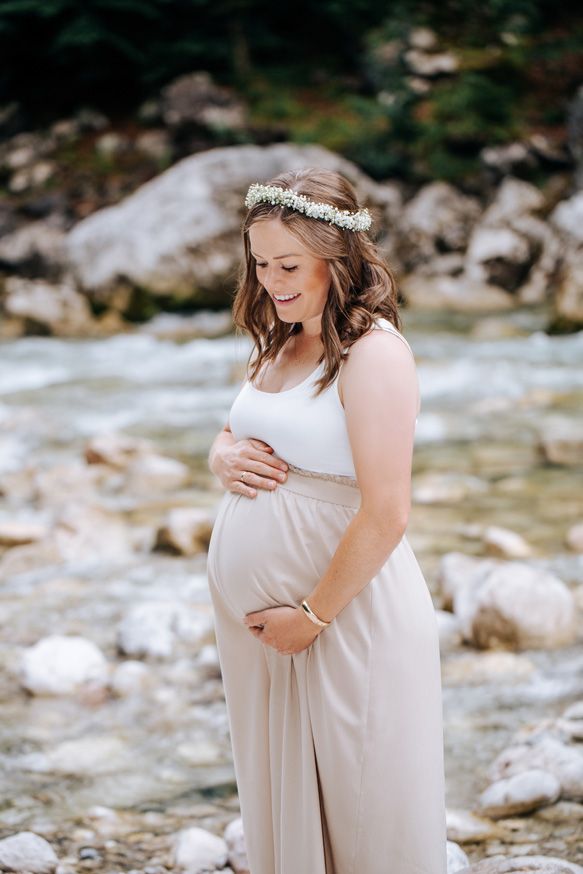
x: 271, y: 550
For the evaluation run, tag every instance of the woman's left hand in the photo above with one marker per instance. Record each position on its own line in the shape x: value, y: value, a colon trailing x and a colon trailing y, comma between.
x: 286, y: 629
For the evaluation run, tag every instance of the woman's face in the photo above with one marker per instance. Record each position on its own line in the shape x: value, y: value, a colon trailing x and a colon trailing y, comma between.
x: 285, y: 267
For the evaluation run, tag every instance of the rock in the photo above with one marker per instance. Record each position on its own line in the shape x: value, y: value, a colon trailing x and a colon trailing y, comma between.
x: 47, y: 309
x: 456, y: 293
x: 16, y: 533
x: 571, y: 722
x: 509, y: 158
x: 514, y: 198
x: 185, y: 530
x: 205, y: 323
x: 27, y: 852
x: 80, y: 532
x: 179, y: 234
x: 561, y: 441
x: 456, y: 858
x: 523, y: 865
x: 547, y: 753
x: 456, y: 569
x: 129, y: 678
x: 153, y: 629
x: 152, y: 473
x: 467, y: 828
x: 486, y: 668
x: 235, y: 841
x: 575, y: 133
x: 567, y: 217
x: 437, y: 219
x: 499, y: 256
x: 111, y: 144
x: 155, y: 144
x: 448, y: 488
x: 517, y: 606
x: 194, y: 99
x: 504, y: 543
x: 83, y: 756
x: 569, y: 294
x: 117, y: 450
x: 521, y: 793
x: 197, y: 850
x: 91, y: 120
x: 574, y: 537
x: 36, y: 248
x: 32, y: 176
x: 450, y: 635
x: 431, y: 65
x: 61, y: 665
x: 422, y: 38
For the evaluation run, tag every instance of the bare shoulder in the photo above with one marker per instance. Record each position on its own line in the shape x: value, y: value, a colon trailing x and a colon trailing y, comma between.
x: 381, y: 352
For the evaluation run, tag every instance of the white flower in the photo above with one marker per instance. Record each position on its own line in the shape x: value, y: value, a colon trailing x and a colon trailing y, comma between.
x: 360, y: 220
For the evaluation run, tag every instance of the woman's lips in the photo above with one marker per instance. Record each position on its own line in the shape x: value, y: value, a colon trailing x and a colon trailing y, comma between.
x: 284, y: 302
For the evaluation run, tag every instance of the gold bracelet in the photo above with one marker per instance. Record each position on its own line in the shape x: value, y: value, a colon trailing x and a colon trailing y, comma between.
x: 311, y: 615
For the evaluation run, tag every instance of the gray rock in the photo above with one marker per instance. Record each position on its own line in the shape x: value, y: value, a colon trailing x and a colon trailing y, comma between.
x: 185, y: 530
x: 523, y: 865
x: 235, y: 840
x: 456, y: 858
x: 27, y: 852
x: 197, y: 850
x: 456, y: 293
x: 438, y: 218
x: 465, y: 827
x: 504, y: 543
x: 545, y: 752
x: 195, y: 99
x: 561, y: 440
x: 517, y: 606
x: 154, y: 628
x: 179, y: 234
x: 61, y: 665
x: 456, y: 569
x: 38, y: 246
x: 57, y: 309
x: 521, y: 793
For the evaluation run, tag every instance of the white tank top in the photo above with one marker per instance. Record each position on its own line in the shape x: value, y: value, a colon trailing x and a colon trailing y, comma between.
x: 306, y: 431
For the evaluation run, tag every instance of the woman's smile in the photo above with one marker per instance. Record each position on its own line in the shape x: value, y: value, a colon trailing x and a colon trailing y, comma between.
x: 284, y: 299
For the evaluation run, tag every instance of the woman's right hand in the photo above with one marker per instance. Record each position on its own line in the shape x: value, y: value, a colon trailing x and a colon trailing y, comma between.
x: 251, y: 455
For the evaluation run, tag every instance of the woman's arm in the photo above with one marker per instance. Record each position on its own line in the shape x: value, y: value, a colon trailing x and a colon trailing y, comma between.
x: 228, y: 457
x: 380, y: 391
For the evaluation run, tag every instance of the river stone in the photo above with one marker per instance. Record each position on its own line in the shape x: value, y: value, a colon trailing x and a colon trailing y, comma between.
x: 60, y: 665
x: 438, y: 218
x: 499, y: 256
x: 197, y: 850
x: 465, y: 827
x: 180, y: 233
x: 235, y: 840
x: 513, y: 198
x: 524, y: 865
x: 504, y: 543
x: 153, y: 629
x: 456, y: 858
x: 486, y: 667
x: 569, y: 294
x: 82, y: 756
x: 27, y: 852
x: 55, y: 309
x: 448, y: 626
x: 561, y: 440
x: 150, y: 473
x: 38, y: 246
x: 116, y: 449
x: 16, y: 533
x: 185, y: 530
x: 547, y: 753
x: 521, y: 793
x: 456, y: 293
x: 456, y: 569
x: 519, y: 606
x: 567, y: 217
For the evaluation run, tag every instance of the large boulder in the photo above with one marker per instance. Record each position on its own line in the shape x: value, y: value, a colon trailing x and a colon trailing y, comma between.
x: 179, y: 234
x: 567, y: 218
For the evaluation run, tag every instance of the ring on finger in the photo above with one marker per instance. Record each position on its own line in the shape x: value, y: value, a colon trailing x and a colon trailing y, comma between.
x: 244, y: 474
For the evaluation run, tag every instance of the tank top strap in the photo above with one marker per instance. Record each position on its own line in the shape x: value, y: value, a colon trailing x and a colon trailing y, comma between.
x: 386, y: 325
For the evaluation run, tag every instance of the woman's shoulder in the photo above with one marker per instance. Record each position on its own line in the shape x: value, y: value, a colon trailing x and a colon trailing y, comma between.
x: 381, y: 325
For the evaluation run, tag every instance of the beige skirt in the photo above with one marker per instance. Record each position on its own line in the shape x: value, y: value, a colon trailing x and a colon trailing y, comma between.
x: 338, y: 749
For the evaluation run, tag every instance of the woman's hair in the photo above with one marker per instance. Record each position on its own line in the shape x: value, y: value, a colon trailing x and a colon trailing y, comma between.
x: 362, y: 284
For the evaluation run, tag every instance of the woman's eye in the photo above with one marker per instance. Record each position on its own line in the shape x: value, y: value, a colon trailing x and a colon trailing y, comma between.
x: 287, y: 269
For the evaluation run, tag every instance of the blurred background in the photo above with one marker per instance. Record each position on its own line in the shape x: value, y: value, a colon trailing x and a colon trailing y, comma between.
x: 130, y: 131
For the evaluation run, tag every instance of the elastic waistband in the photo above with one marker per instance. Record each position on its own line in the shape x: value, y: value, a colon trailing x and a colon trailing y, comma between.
x: 325, y: 487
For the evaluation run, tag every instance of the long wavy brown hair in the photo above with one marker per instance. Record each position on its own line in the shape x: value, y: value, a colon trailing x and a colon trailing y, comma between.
x: 362, y: 285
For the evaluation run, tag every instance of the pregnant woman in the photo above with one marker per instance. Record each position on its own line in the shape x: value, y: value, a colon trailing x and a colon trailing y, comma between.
x: 325, y: 626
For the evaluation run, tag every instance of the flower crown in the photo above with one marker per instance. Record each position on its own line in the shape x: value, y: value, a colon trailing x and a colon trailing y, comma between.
x: 360, y: 220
